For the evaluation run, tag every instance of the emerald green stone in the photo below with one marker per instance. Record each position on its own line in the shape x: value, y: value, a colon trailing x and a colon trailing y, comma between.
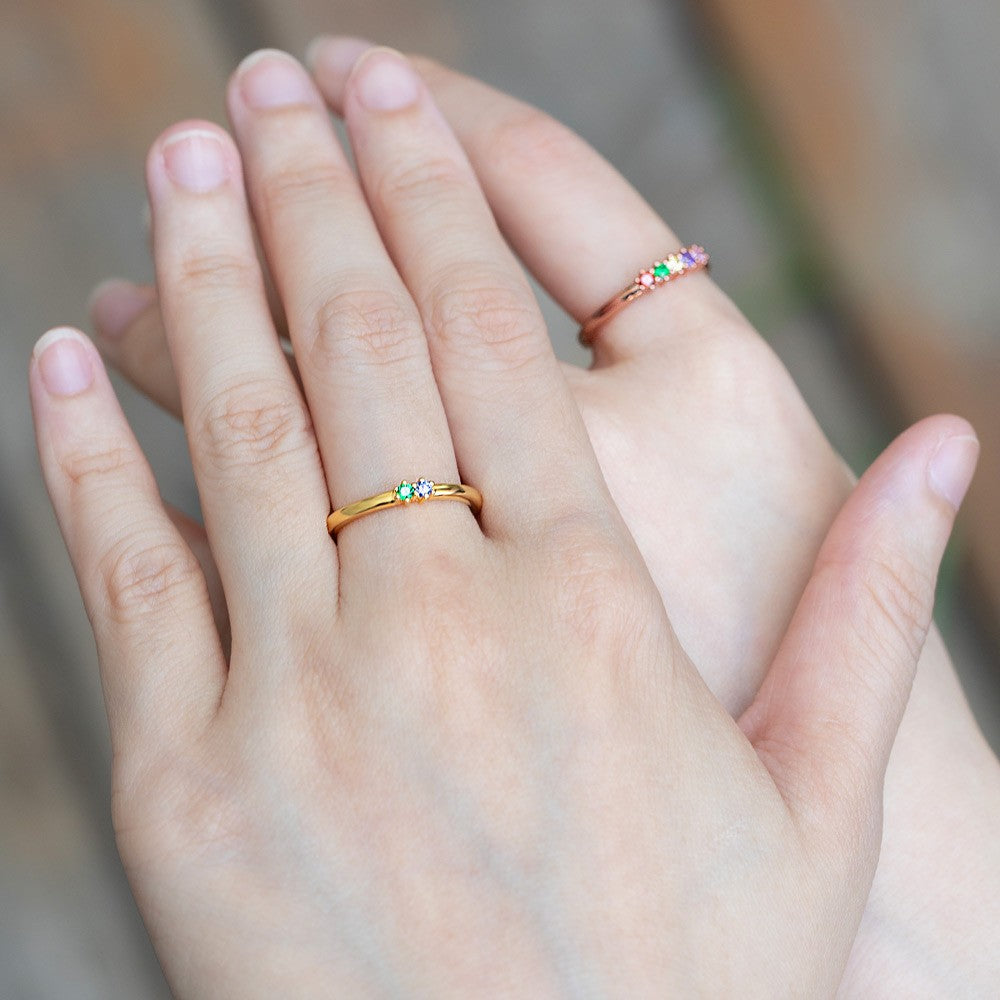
x: 405, y: 491
x: 661, y: 271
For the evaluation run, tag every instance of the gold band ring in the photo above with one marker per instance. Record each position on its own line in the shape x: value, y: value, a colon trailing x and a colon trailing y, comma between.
x: 405, y: 493
x: 673, y: 266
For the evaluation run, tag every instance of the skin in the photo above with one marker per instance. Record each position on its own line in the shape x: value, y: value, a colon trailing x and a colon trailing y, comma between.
x: 486, y: 762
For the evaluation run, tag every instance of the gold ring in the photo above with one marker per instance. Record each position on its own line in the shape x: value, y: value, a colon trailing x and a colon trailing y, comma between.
x: 684, y: 261
x: 405, y: 493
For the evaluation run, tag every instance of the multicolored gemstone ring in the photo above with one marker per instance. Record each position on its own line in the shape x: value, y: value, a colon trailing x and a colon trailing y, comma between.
x: 675, y: 265
x: 403, y: 494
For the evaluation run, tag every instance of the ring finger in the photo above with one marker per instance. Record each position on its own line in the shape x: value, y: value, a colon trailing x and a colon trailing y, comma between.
x: 358, y: 339
x: 511, y: 414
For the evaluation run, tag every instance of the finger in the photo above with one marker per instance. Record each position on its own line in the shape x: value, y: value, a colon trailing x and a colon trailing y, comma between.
x: 577, y: 224
x: 129, y: 327
x: 273, y: 301
x: 356, y: 334
x: 510, y: 411
x: 129, y: 333
x: 162, y: 667
x: 147, y: 364
x: 195, y: 537
x: 259, y: 476
x: 828, y: 711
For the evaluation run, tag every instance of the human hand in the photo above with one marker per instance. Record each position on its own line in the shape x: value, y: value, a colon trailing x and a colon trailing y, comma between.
x: 488, y: 765
x: 699, y: 412
x: 688, y: 405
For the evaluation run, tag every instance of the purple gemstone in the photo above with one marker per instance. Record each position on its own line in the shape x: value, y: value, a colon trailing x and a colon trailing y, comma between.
x: 687, y: 258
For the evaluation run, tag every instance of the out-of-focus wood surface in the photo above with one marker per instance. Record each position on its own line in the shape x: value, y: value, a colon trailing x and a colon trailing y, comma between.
x: 886, y: 118
x: 85, y: 85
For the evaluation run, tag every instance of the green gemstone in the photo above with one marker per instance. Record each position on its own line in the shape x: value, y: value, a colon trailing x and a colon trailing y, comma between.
x: 661, y: 271
x: 405, y: 492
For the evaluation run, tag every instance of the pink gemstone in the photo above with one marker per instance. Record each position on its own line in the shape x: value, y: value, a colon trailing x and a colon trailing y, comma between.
x: 646, y: 279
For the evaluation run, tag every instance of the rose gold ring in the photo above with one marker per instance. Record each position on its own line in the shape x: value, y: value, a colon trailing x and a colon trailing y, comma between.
x: 673, y: 266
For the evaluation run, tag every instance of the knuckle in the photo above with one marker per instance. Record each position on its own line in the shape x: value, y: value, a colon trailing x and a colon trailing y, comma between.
x: 419, y: 182
x: 436, y: 597
x: 481, y: 319
x: 254, y: 424
x: 97, y: 465
x: 595, y: 586
x: 735, y: 375
x: 373, y: 325
x: 439, y: 611
x: 219, y: 269
x: 142, y: 578
x: 529, y: 139
x: 900, y: 597
x: 171, y: 805
x: 733, y: 369
x: 308, y: 182
x: 888, y: 602
x: 444, y: 591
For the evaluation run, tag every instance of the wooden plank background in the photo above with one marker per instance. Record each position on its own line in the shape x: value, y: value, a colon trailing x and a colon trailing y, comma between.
x: 85, y: 85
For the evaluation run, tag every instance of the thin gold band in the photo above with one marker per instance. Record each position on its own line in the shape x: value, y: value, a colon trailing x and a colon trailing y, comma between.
x: 684, y: 261
x: 405, y: 493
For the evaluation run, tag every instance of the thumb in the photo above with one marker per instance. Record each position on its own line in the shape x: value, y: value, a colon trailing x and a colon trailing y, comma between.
x: 827, y: 713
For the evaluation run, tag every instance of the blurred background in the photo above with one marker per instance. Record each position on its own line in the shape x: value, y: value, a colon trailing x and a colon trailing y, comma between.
x: 841, y: 159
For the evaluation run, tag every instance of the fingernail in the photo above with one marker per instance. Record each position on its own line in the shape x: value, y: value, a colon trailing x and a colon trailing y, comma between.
x: 951, y: 467
x: 195, y: 160
x: 273, y: 79
x: 64, y: 362
x: 336, y: 56
x: 385, y: 81
x: 115, y: 304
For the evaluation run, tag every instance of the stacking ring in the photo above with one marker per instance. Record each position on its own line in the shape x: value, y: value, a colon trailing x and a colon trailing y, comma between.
x: 675, y: 265
x: 405, y: 493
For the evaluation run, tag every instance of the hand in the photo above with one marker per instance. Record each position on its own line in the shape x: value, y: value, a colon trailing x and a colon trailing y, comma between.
x: 486, y: 762
x: 693, y: 408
